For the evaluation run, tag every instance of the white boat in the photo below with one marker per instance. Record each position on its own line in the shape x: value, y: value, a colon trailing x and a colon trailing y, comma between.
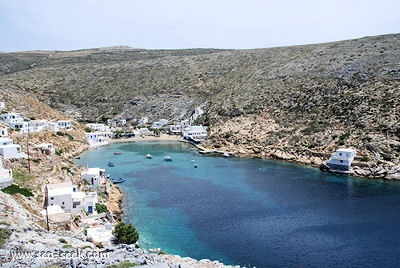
x: 226, y: 154
x: 195, y: 166
x: 149, y: 156
x: 168, y: 158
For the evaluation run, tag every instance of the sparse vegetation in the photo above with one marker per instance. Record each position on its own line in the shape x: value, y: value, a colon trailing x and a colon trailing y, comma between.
x: 15, y: 189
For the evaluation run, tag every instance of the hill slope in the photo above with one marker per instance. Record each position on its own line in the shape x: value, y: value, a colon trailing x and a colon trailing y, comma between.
x: 293, y: 103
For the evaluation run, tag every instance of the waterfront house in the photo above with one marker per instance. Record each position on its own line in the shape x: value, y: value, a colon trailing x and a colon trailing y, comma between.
x: 177, y: 129
x: 5, y: 176
x: 66, y: 196
x: 94, y: 176
x: 10, y: 150
x: 116, y: 122
x: 46, y: 148
x: 65, y: 125
x: 341, y: 160
x: 197, y: 134
x: 96, y: 139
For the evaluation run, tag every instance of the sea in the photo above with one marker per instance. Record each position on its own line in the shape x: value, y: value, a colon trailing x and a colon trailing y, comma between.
x: 252, y: 212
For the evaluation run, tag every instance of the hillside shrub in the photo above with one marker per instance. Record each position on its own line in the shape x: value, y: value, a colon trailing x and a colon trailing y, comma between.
x: 125, y: 233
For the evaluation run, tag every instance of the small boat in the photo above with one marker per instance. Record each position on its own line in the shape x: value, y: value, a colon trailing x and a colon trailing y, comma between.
x: 226, y: 154
x: 192, y: 161
x: 149, y: 156
x: 118, y: 180
x: 110, y: 164
x: 78, y: 157
x: 168, y: 158
x: 195, y: 166
x: 117, y: 153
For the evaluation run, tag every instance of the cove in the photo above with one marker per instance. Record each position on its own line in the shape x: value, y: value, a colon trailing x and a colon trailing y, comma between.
x: 253, y: 212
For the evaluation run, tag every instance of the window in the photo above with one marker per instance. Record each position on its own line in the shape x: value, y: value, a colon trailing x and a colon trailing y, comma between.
x: 341, y: 161
x: 62, y: 203
x: 51, y: 198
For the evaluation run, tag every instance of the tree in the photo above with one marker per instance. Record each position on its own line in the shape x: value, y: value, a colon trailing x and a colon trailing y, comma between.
x: 125, y: 233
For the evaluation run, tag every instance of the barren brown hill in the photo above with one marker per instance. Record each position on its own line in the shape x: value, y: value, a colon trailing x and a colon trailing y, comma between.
x: 296, y: 103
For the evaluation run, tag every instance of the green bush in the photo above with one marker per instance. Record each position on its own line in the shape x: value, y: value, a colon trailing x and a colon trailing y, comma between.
x: 4, y: 234
x: 15, y: 189
x: 101, y: 208
x: 125, y: 233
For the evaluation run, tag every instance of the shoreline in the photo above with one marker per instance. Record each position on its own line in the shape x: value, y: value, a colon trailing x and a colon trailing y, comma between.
x: 162, y: 137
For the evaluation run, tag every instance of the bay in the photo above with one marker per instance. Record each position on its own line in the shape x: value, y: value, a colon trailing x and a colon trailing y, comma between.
x: 253, y: 212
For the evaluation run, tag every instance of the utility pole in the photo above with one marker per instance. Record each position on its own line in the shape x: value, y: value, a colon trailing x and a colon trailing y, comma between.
x: 27, y: 151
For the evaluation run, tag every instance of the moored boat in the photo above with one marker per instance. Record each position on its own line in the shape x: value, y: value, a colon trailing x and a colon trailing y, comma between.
x: 149, y: 156
x: 168, y: 158
x: 110, y: 164
x: 117, y: 180
x: 117, y: 153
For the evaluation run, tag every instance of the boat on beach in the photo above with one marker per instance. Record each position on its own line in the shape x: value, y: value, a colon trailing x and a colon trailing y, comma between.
x: 117, y: 180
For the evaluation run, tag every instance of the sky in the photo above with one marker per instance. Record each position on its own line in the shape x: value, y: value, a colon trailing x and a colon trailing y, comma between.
x: 177, y: 24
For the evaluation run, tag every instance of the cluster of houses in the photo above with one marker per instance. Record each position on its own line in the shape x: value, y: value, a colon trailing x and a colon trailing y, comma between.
x: 63, y: 200
x: 101, y: 133
x: 9, y: 150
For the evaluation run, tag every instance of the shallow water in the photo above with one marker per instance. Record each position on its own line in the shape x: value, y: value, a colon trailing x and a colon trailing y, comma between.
x: 253, y: 212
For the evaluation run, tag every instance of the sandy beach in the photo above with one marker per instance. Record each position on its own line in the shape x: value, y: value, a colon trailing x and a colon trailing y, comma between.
x: 162, y: 137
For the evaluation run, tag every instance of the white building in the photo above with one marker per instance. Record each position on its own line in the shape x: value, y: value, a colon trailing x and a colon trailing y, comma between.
x: 160, y: 123
x: 2, y: 105
x: 3, y: 130
x: 94, y: 176
x: 143, y: 121
x: 10, y: 150
x: 177, y: 129
x: 98, y: 127
x: 12, y: 118
x: 116, y: 122
x: 65, y: 125
x: 96, y: 139
x: 69, y: 198
x: 100, y: 234
x: 341, y: 160
x: 37, y: 125
x: 46, y: 148
x: 5, y: 176
x: 195, y: 133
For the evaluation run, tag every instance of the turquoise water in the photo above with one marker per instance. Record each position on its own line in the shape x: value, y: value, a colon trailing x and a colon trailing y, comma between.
x: 253, y: 212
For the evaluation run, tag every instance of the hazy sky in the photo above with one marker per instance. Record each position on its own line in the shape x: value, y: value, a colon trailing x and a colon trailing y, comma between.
x: 78, y: 24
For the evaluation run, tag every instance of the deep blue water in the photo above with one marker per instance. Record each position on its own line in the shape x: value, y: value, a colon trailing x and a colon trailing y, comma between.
x: 253, y: 212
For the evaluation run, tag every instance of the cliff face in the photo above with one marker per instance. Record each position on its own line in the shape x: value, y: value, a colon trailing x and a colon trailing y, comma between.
x: 297, y: 103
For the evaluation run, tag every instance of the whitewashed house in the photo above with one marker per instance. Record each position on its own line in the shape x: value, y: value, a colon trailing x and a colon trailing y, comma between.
x: 12, y: 118
x: 341, y: 160
x: 37, y: 125
x: 101, y: 234
x: 96, y: 139
x: 65, y: 125
x: 160, y: 123
x: 46, y: 148
x: 143, y: 121
x: 195, y: 133
x: 177, y: 129
x: 2, y: 105
x: 94, y: 176
x: 10, y: 150
x: 5, y: 176
x: 69, y: 198
x: 98, y: 127
x: 3, y: 130
x: 144, y: 131
x: 116, y: 122
x: 22, y: 127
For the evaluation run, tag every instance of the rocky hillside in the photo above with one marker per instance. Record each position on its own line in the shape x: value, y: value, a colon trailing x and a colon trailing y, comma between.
x: 298, y: 103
